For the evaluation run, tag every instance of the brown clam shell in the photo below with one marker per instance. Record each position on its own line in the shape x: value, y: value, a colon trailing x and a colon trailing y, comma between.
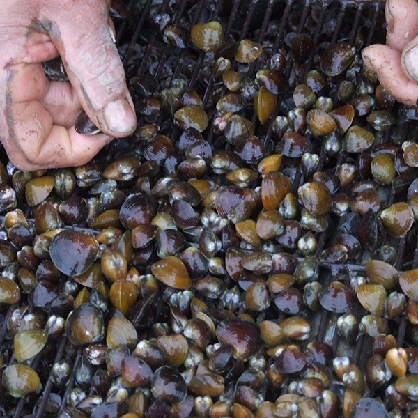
x: 274, y: 187
x: 382, y: 273
x: 248, y: 51
x: 171, y: 271
x: 244, y: 337
x: 207, y: 36
x: 408, y: 281
x: 73, y: 252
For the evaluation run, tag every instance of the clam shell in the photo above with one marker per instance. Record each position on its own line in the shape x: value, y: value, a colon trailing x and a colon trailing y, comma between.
x: 191, y: 116
x: 264, y: 104
x: 207, y: 36
x: 29, y: 343
x: 372, y: 297
x: 248, y: 51
x: 408, y: 281
x: 172, y: 272
x: 73, y: 252
x: 9, y: 291
x: 38, y: 189
x: 397, y: 219
x: 175, y: 348
x: 274, y: 188
x: 316, y: 198
x: 121, y: 333
x: 382, y: 273
x: 85, y: 325
x: 244, y: 337
x: 20, y: 380
x: 246, y: 230
x: 337, y: 59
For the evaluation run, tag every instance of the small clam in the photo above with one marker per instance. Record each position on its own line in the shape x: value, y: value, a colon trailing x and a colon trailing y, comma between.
x: 337, y: 59
x: 171, y: 271
x: 38, y: 189
x: 264, y: 104
x: 248, y: 51
x: 302, y: 47
x: 272, y: 79
x: 123, y: 295
x: 296, y: 328
x: 303, y: 96
x: 256, y: 298
x: 320, y: 123
x: 315, y: 197
x: 232, y: 80
x: 137, y: 209
x: 231, y: 103
x: 407, y: 385
x: 211, y: 384
x: 135, y: 372
x: 383, y: 168
x: 290, y: 360
x: 85, y: 325
x: 9, y: 291
x: 397, y: 361
x: 410, y: 153
x: 343, y: 117
x: 295, y: 145
x: 176, y: 36
x: 381, y: 120
x: 274, y: 187
x: 372, y: 297
x: 397, y: 219
x: 191, y: 116
x: 369, y: 408
x: 337, y: 298
x: 269, y: 224
x: 382, y: 273
x: 73, y: 252
x: 238, y: 130
x: 270, y: 163
x: 246, y: 230
x: 120, y: 333
x: 362, y: 104
x: 244, y: 337
x: 357, y: 140
x: 175, y: 348
x: 20, y: 380
x: 168, y: 384
x: 207, y: 36
x: 408, y: 281
x: 29, y: 343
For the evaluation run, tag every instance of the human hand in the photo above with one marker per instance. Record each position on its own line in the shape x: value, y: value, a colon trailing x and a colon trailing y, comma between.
x: 38, y: 115
x: 396, y: 63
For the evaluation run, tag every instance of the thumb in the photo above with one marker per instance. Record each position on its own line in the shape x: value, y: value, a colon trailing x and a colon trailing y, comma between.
x: 81, y: 33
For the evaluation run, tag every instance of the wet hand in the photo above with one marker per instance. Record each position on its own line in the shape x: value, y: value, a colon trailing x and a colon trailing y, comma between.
x: 396, y: 63
x: 37, y: 122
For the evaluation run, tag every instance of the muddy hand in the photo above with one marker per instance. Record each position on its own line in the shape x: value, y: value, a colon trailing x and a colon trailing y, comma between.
x: 37, y: 123
x: 396, y: 63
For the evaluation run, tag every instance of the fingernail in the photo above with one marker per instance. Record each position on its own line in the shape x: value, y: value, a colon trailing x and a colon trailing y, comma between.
x: 119, y: 116
x: 410, y: 60
x: 367, y: 62
x: 390, y: 23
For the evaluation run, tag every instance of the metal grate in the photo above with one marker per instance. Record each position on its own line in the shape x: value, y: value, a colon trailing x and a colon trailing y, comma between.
x: 144, y: 53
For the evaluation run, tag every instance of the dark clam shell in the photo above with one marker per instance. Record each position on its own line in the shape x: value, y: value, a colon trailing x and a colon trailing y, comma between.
x: 137, y: 209
x: 73, y: 252
x: 244, y: 337
x: 370, y: 408
x: 337, y: 59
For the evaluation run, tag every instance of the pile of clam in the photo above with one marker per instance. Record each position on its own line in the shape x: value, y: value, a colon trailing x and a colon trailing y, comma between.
x: 229, y: 257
